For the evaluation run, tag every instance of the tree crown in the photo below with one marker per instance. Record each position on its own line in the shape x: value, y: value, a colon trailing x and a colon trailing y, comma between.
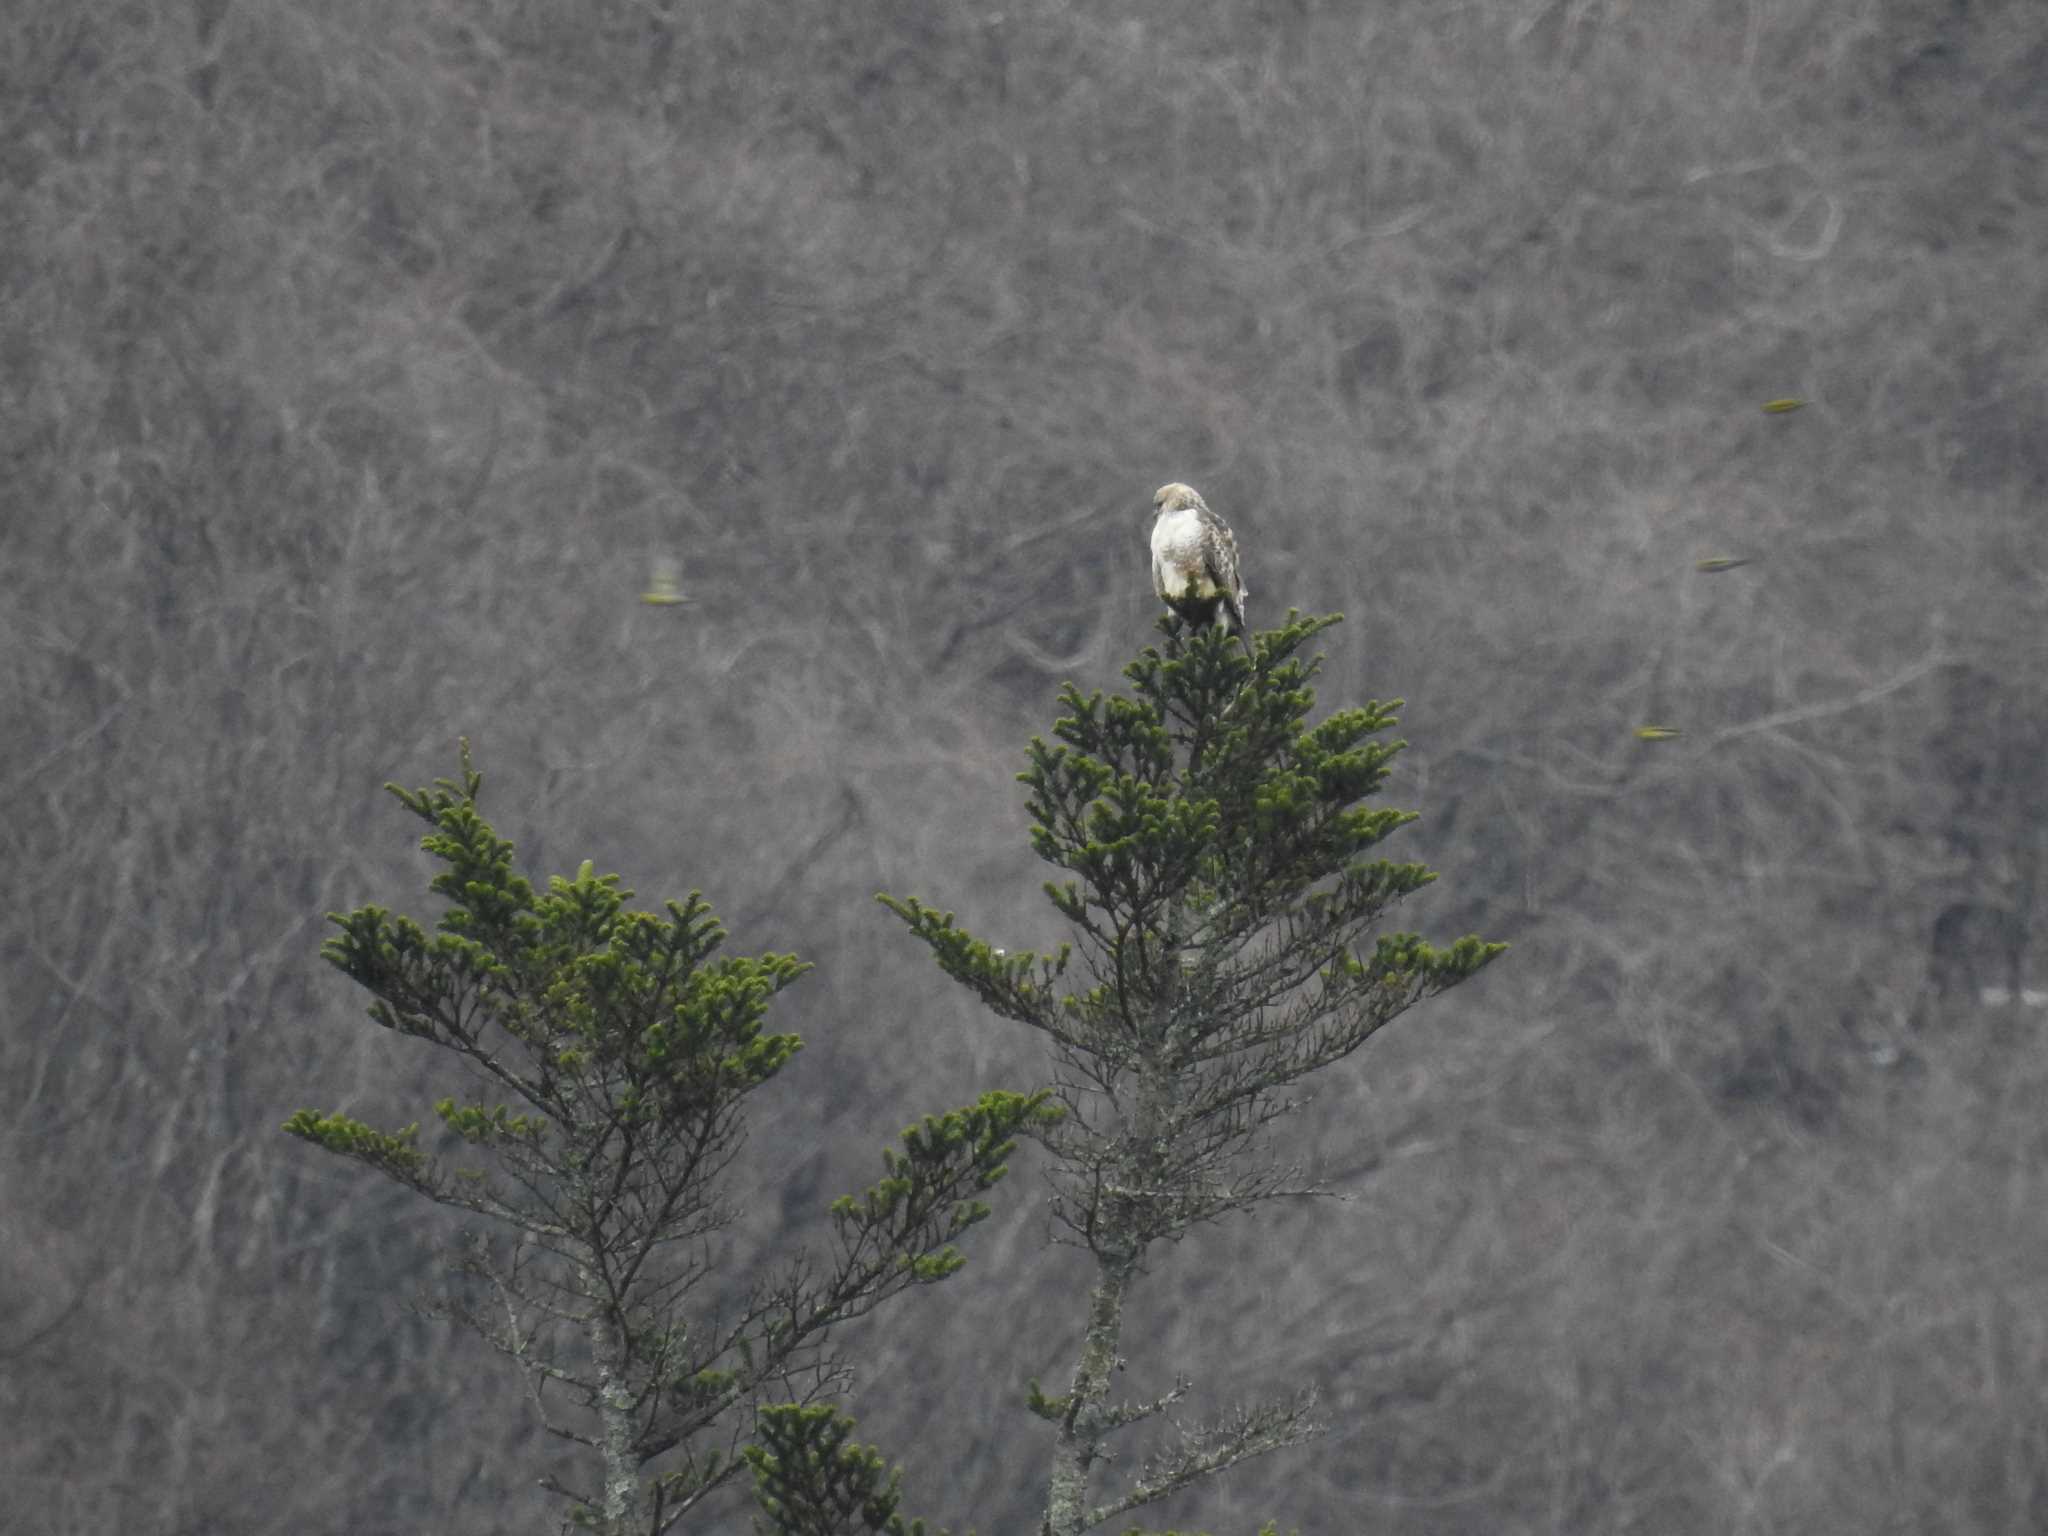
x: 630, y: 1045
x: 1215, y: 851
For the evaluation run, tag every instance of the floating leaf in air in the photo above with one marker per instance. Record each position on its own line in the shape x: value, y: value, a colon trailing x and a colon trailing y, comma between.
x: 1720, y: 563
x: 1780, y: 407
x: 662, y: 589
x: 1655, y: 732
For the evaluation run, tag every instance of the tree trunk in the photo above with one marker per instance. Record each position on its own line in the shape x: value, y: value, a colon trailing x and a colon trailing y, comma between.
x: 620, y: 1510
x: 1082, y: 1428
x: 1117, y: 1250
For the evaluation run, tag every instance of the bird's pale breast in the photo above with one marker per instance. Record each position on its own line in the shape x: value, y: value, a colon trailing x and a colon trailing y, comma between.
x: 1178, y: 556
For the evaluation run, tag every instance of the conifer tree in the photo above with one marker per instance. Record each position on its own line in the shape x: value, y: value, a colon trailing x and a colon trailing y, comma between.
x: 1215, y: 857
x: 811, y: 1478
x: 615, y: 1051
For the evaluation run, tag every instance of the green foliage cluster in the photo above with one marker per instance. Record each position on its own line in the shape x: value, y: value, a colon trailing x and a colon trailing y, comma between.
x: 1219, y: 872
x: 813, y: 1479
x: 623, y: 1030
x: 632, y: 1045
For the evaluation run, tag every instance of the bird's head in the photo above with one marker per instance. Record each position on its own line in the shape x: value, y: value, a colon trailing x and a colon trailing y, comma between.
x: 1178, y: 498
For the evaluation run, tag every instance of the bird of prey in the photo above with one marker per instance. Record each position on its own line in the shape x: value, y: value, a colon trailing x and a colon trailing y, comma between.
x: 1194, y: 562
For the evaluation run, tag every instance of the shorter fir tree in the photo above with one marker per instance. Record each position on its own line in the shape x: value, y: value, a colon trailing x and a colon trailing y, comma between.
x: 1215, y: 851
x: 615, y: 1050
x: 812, y: 1479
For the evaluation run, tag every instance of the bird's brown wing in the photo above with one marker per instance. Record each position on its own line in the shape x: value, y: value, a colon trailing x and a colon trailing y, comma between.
x: 1219, y: 555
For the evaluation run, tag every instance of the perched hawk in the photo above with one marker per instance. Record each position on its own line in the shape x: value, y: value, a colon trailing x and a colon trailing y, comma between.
x: 1194, y: 562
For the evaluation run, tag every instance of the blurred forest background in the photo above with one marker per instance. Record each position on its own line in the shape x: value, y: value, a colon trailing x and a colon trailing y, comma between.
x: 362, y: 358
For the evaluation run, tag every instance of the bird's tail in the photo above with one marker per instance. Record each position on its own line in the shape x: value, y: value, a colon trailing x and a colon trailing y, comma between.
x: 1235, y: 614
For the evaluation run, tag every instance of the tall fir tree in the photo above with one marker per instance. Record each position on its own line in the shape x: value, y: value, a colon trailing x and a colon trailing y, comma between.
x: 625, y: 1046
x: 1215, y: 857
